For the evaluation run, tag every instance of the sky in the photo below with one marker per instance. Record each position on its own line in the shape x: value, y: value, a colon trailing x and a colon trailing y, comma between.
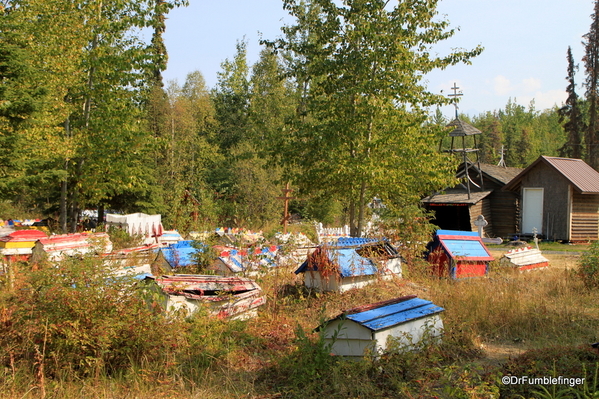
x: 524, y: 59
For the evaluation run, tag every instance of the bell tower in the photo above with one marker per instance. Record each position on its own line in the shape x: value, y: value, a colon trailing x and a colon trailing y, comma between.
x: 464, y: 145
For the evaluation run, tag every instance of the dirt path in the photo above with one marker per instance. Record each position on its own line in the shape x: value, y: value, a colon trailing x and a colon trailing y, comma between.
x: 497, y: 354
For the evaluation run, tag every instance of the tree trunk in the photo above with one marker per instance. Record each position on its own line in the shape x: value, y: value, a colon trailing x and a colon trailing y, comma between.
x: 64, y: 185
x: 361, y: 209
x: 352, y: 218
x: 100, y: 221
x: 63, y: 201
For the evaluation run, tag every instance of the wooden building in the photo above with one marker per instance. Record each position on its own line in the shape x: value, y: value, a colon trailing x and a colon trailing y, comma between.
x: 57, y: 247
x: 224, y: 297
x: 458, y: 254
x: 560, y: 199
x: 524, y: 259
x: 367, y: 329
x: 458, y: 208
x: 350, y: 263
x: 18, y: 245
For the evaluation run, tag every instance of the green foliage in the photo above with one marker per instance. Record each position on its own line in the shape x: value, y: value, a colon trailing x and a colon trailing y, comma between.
x: 591, y: 64
x: 570, y: 362
x: 304, y: 371
x: 208, y: 341
x: 431, y: 369
x: 185, y: 156
x: 570, y: 114
x: 523, y: 133
x: 82, y: 143
x: 120, y: 238
x: 204, y: 256
x: 231, y: 99
x: 359, y: 65
x: 588, y: 266
x: 76, y: 320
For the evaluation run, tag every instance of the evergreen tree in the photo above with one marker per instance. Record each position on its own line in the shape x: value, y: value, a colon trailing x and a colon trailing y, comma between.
x: 570, y: 115
x: 186, y: 155
x: 591, y: 62
x: 87, y: 133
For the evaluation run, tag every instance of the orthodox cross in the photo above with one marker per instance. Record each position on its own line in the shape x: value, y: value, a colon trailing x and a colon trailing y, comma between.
x: 286, y: 198
x: 455, y: 96
x: 502, y: 160
x: 480, y: 222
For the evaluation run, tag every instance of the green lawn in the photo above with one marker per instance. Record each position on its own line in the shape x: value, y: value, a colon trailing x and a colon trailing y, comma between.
x: 546, y: 246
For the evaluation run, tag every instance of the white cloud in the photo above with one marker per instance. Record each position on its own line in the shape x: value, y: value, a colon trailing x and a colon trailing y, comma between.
x: 502, y: 85
x: 544, y: 99
x: 531, y: 85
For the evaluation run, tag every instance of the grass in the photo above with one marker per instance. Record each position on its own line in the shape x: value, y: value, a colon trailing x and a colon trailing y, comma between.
x: 545, y: 246
x: 538, y: 315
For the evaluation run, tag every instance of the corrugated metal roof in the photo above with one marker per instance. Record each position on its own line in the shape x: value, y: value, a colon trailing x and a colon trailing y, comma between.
x: 180, y: 283
x: 465, y: 249
x: 351, y: 264
x: 578, y: 172
x: 239, y: 260
x: 394, y: 314
x: 463, y: 244
x: 524, y: 256
x: 24, y: 235
x: 583, y: 177
x: 353, y: 241
x: 180, y: 254
x: 456, y: 233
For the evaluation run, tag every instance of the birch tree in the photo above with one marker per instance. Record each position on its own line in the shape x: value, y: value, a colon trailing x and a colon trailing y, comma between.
x: 92, y: 60
x: 363, y: 133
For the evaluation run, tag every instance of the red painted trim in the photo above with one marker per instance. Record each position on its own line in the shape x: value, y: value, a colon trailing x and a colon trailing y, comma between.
x: 534, y: 266
x: 466, y: 238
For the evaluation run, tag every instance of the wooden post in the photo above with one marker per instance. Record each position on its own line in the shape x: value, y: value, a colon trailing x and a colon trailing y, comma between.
x: 286, y: 198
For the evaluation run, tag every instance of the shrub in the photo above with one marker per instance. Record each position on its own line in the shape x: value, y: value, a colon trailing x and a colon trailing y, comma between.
x: 121, y: 239
x: 588, y: 269
x: 564, y: 361
x: 77, y: 319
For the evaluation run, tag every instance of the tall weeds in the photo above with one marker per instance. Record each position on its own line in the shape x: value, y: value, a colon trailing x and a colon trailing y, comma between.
x: 543, y: 307
x: 73, y: 331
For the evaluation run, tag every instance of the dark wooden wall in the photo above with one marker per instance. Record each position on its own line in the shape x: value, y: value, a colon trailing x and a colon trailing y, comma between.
x: 556, y: 212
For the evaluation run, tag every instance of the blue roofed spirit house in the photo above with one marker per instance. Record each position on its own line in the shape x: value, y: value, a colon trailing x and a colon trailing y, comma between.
x: 350, y: 263
x: 458, y: 254
x: 367, y: 329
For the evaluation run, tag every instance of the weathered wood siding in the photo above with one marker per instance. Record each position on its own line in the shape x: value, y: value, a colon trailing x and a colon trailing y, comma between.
x: 482, y: 208
x: 501, y: 211
x: 585, y: 217
x: 506, y: 213
x: 556, y: 213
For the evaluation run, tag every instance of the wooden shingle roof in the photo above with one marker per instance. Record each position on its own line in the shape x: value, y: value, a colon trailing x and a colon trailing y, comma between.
x: 500, y: 173
x: 462, y: 128
x: 456, y: 196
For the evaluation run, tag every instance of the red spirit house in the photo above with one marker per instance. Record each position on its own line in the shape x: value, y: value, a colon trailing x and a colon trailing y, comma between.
x: 458, y: 254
